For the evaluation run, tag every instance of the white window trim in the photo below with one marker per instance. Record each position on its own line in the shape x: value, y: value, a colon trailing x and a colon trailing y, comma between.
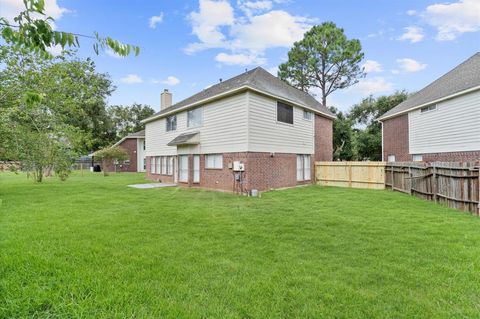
x: 216, y: 164
x: 201, y: 112
x: 276, y: 115
x: 306, y: 172
x: 433, y: 107
x: 166, y: 123
x: 182, y: 169
x: 310, y: 115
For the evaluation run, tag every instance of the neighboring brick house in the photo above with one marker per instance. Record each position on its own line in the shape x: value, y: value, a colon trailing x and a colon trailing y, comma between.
x: 134, y: 143
x: 441, y: 122
x: 253, y: 127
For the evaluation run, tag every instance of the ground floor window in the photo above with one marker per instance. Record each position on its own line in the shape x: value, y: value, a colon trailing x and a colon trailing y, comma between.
x: 164, y: 165
x: 391, y: 158
x: 183, y: 168
x: 214, y: 161
x: 170, y: 165
x: 144, y: 164
x: 159, y: 165
x: 152, y: 165
x: 303, y: 167
x: 417, y: 157
x: 196, y: 168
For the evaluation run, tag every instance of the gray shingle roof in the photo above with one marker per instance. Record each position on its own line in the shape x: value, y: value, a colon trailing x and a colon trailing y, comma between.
x: 258, y: 79
x: 463, y: 77
x: 137, y: 134
x: 183, y: 139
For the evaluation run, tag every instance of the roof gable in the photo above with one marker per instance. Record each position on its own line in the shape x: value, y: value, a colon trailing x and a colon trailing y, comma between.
x: 463, y: 77
x: 256, y: 79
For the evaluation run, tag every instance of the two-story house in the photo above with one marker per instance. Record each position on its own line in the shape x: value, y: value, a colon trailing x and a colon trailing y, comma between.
x: 252, y: 131
x: 441, y: 122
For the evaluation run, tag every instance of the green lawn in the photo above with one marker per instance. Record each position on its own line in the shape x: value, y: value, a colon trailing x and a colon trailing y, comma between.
x: 91, y: 247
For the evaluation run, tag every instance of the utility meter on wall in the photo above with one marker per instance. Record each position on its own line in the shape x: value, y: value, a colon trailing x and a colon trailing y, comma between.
x: 238, y: 167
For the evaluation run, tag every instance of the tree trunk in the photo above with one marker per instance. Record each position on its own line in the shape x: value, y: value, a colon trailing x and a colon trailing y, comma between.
x: 39, y: 174
x: 104, y: 167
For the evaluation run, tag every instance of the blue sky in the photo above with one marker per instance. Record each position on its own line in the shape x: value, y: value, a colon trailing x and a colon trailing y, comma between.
x: 189, y: 45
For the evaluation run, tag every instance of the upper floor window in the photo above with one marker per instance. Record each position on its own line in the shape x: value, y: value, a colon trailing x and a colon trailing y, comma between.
x: 428, y: 108
x: 194, y: 117
x: 307, y: 115
x: 171, y: 123
x: 284, y: 113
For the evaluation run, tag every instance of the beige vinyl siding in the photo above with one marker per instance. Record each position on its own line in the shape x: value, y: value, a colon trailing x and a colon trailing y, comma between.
x: 268, y: 135
x: 453, y: 127
x: 224, y: 129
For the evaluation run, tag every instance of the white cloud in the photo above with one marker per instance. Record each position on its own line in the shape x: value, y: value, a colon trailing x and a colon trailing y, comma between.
x: 154, y: 20
x: 206, y: 24
x: 170, y: 80
x: 246, y: 36
x: 410, y: 65
x: 453, y: 19
x: 372, y: 86
x: 273, y: 29
x: 239, y: 59
x: 11, y: 8
x: 251, y: 7
x: 412, y: 34
x: 411, y: 12
x: 131, y: 79
x: 371, y: 66
x: 273, y: 70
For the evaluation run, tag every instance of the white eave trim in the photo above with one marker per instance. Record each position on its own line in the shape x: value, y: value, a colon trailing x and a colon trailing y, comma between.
x: 451, y: 96
x: 237, y: 90
x: 124, y: 138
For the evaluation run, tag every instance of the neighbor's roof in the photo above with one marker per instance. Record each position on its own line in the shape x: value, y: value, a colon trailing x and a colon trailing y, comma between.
x: 465, y: 76
x: 257, y: 79
x: 138, y: 134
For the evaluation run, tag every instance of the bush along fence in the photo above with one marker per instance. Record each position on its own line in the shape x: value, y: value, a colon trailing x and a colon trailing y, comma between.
x: 456, y: 185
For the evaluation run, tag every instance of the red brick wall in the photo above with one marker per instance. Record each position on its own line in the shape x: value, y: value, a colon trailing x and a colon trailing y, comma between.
x: 262, y: 172
x: 129, y: 144
x: 452, y: 157
x: 395, y: 138
x: 323, y: 138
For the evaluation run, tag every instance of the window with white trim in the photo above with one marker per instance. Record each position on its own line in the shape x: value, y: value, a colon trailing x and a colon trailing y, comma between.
x: 284, y: 113
x: 171, y: 123
x: 194, y: 117
x: 159, y: 165
x: 303, y: 167
x: 164, y: 165
x: 214, y: 161
x: 152, y: 165
x: 170, y: 166
x: 428, y: 108
x: 391, y: 158
x: 183, y: 168
x: 417, y: 157
x: 307, y: 115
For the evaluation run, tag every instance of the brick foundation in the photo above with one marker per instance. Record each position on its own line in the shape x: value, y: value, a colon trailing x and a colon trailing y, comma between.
x: 262, y: 172
x: 395, y: 138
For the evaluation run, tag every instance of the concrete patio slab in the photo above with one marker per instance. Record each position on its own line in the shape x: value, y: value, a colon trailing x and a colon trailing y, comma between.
x: 151, y: 185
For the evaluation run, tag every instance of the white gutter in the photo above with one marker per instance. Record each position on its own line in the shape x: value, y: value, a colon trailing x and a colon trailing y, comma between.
x: 237, y: 90
x: 124, y: 138
x: 451, y: 96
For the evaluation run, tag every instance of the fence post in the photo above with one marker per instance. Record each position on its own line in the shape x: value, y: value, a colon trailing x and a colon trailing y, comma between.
x: 411, y: 180
x: 349, y: 175
x: 391, y: 175
x: 434, y: 183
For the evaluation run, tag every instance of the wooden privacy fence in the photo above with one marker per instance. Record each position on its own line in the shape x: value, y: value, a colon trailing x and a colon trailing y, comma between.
x: 456, y: 185
x: 351, y: 174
